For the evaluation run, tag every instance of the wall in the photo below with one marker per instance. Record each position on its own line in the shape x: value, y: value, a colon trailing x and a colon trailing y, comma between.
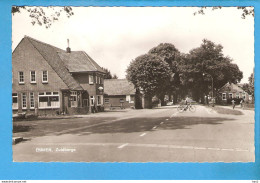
x: 115, y: 101
x: 26, y: 58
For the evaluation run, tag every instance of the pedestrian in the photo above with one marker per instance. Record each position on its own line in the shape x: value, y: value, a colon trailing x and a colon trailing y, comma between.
x: 233, y: 103
x: 242, y: 103
x: 213, y: 102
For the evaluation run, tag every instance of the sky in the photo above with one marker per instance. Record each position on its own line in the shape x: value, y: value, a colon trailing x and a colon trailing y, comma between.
x: 114, y: 36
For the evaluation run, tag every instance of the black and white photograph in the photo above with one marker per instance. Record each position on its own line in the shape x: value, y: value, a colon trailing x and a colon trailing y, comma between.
x: 133, y: 84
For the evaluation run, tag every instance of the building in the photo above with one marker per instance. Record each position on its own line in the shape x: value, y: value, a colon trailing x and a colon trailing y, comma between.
x: 119, y: 93
x: 49, y: 80
x: 232, y: 91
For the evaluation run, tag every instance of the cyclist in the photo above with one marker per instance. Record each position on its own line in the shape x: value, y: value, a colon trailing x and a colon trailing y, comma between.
x: 186, y: 103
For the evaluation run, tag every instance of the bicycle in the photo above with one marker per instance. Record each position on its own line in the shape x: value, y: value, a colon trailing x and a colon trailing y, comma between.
x: 189, y: 107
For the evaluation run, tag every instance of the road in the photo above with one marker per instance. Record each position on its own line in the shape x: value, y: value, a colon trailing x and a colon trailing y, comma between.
x: 155, y: 135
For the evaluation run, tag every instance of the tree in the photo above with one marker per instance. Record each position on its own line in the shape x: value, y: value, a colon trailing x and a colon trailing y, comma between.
x: 108, y: 74
x: 150, y: 74
x: 246, y: 11
x: 40, y: 15
x: 170, y: 54
x: 207, y: 59
x: 114, y: 76
x: 250, y: 87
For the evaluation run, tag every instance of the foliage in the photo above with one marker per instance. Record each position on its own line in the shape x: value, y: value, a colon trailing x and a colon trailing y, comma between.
x: 42, y: 15
x: 249, y: 87
x: 114, y: 76
x: 108, y: 74
x: 204, y: 64
x: 150, y: 73
x: 246, y: 11
x: 170, y: 54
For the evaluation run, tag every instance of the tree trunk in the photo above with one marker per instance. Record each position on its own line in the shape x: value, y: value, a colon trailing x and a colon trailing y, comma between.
x: 162, y: 100
x: 148, y: 102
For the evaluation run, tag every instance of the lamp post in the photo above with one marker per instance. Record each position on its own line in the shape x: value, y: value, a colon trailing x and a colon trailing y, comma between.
x: 211, y: 83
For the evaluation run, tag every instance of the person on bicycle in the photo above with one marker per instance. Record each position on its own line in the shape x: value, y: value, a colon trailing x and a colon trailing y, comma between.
x: 186, y: 103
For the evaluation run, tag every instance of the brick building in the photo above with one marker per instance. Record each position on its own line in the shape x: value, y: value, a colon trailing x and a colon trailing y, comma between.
x: 119, y: 93
x: 49, y: 80
x: 232, y: 91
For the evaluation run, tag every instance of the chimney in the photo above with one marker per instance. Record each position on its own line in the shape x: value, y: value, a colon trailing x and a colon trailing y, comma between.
x: 68, y: 48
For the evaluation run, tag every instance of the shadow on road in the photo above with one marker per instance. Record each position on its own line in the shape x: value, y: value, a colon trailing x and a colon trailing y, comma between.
x: 147, y: 124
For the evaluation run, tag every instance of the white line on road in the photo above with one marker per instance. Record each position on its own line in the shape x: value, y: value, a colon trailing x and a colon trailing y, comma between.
x: 154, y: 127
x: 174, y: 114
x: 120, y: 147
x: 161, y: 123
x: 143, y: 134
x: 167, y: 119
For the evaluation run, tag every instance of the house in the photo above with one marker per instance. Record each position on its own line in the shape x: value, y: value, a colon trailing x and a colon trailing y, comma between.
x: 49, y: 80
x: 232, y: 91
x: 119, y: 93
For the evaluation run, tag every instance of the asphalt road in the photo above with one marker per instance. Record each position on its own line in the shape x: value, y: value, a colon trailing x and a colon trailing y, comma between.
x: 155, y: 135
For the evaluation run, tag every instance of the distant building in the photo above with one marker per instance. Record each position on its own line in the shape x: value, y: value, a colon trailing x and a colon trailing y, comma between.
x: 49, y: 80
x: 232, y: 91
x: 119, y: 93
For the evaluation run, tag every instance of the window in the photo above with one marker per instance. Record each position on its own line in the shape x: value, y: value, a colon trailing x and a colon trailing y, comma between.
x: 91, y: 79
x: 244, y: 96
x: 32, y: 100
x: 96, y: 79
x: 73, y: 99
x: 230, y: 95
x: 128, y: 99
x: 106, y: 100
x: 21, y: 77
x: 49, y: 100
x: 121, y: 100
x: 224, y: 97
x: 92, y: 100
x: 237, y: 95
x: 99, y: 100
x: 15, y: 101
x: 24, y: 100
x: 99, y: 80
x: 45, y: 76
x: 33, y: 76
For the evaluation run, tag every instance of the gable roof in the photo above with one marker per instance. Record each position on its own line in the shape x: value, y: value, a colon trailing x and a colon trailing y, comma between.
x: 49, y: 53
x: 231, y: 87
x: 79, y: 61
x: 118, y: 87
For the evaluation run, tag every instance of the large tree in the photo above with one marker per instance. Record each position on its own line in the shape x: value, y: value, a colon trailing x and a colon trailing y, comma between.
x: 150, y: 74
x: 44, y: 15
x: 108, y: 74
x: 245, y: 11
x: 170, y: 54
x: 250, y: 86
x: 207, y: 64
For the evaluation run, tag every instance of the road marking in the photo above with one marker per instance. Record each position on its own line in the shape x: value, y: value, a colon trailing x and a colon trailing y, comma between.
x: 154, y: 127
x: 143, y: 134
x: 167, y: 119
x: 120, y: 147
x: 161, y: 123
x: 174, y: 114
